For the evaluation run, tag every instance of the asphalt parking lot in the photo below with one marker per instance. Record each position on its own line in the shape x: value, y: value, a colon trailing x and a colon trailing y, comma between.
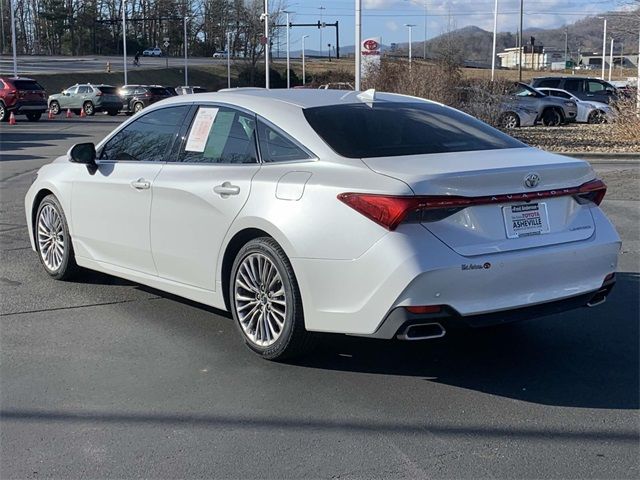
x: 102, y: 378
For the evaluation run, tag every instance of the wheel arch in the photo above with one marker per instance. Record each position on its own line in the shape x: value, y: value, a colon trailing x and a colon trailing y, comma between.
x: 37, y: 199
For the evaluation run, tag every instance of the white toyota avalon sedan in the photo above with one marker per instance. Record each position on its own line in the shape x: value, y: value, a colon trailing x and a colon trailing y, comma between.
x: 305, y: 211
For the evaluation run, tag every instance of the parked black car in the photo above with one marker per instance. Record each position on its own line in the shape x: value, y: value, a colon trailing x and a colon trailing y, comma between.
x: 584, y: 88
x: 136, y: 97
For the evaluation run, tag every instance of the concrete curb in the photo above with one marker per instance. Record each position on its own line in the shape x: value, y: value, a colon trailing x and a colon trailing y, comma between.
x: 614, y: 157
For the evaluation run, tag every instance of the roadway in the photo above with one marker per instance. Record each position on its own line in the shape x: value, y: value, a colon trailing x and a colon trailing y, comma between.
x: 103, y: 378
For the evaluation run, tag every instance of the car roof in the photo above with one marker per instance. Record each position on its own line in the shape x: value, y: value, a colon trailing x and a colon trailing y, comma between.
x: 18, y: 78
x: 300, y: 98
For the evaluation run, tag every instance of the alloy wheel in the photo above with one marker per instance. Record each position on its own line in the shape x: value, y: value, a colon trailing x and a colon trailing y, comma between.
x: 260, y: 299
x: 51, y: 241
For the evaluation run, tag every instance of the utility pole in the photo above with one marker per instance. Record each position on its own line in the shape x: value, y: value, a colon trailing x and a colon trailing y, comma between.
x: 604, y: 47
x: 638, y: 77
x: 13, y: 40
x: 304, y: 76
x: 611, y: 59
x: 2, y: 25
x: 495, y: 35
x: 359, y: 43
x: 321, y: 8
x: 566, y: 45
x: 124, y: 38
x: 520, y: 41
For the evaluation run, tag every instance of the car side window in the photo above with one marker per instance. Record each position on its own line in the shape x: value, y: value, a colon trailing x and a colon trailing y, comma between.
x: 220, y: 135
x: 277, y: 146
x: 72, y: 90
x: 573, y: 85
x: 83, y: 89
x: 560, y: 94
x: 139, y: 91
x: 148, y: 138
x: 595, y: 86
x: 549, y: 83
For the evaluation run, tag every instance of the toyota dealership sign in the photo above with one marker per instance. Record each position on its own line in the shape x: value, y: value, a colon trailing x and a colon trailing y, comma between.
x: 370, y: 53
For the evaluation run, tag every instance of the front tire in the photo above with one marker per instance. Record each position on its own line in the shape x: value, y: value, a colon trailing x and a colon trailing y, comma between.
x: 551, y: 118
x: 89, y: 109
x: 510, y: 121
x: 597, y: 116
x: 266, y: 303
x: 137, y: 107
x: 53, y: 241
x: 4, y: 113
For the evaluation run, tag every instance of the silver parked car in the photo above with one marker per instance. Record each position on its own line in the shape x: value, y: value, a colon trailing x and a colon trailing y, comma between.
x: 87, y: 97
x: 551, y: 111
x: 589, y: 111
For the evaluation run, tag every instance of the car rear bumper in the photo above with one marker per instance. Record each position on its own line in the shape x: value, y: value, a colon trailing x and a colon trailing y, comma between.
x: 28, y: 107
x: 411, y: 267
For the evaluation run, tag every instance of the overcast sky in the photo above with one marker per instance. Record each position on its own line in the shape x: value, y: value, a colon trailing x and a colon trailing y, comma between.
x: 387, y: 18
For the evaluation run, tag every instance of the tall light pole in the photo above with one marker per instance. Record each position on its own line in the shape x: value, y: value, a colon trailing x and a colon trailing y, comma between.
x: 124, y: 38
x: 229, y: 59
x: 13, y: 40
x: 424, y: 45
x: 186, y: 63
x: 566, y: 45
x: 604, y: 47
x: 288, y: 50
x: 358, y: 54
x: 265, y: 17
x: 520, y: 39
x: 304, y: 76
x: 611, y: 59
x: 495, y: 35
x: 321, y: 8
x: 410, y: 27
x: 638, y: 78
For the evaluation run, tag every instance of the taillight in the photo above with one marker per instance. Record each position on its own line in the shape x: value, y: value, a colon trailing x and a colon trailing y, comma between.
x: 593, y: 191
x: 424, y: 309
x: 12, y: 93
x: 98, y: 93
x: 391, y: 210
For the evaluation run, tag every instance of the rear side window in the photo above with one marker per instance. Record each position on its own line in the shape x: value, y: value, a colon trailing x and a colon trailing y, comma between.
x: 555, y: 93
x: 276, y: 146
x: 27, y: 85
x: 158, y: 91
x: 220, y: 135
x: 107, y: 90
x: 391, y: 129
x: 548, y: 83
x: 84, y: 89
x: 148, y: 138
x: 573, y: 85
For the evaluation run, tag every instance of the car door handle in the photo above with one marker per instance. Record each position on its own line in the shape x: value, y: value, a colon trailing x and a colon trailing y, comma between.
x: 141, y: 184
x: 226, y: 189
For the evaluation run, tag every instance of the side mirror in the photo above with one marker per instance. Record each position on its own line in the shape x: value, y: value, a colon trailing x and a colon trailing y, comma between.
x: 83, y: 153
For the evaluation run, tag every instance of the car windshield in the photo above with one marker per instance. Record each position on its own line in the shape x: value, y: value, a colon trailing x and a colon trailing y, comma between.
x: 107, y: 90
x: 391, y: 129
x: 27, y: 85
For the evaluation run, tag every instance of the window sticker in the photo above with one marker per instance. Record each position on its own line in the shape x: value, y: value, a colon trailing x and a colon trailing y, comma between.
x: 200, y: 129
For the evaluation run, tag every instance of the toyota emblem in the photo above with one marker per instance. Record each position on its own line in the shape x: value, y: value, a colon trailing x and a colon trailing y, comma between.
x: 532, y: 180
x: 371, y: 45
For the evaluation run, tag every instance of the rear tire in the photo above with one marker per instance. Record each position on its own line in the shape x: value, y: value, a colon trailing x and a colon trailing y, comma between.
x: 113, y: 113
x: 54, y: 106
x: 4, y: 113
x: 266, y: 303
x: 137, y: 107
x: 53, y: 241
x: 510, y: 121
x: 34, y: 117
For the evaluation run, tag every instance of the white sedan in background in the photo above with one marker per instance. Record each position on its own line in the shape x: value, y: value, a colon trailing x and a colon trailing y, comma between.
x: 305, y: 211
x: 152, y: 52
x: 589, y: 111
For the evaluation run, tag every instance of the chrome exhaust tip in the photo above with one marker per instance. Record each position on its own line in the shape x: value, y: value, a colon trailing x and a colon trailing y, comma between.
x: 422, y: 331
x: 598, y: 299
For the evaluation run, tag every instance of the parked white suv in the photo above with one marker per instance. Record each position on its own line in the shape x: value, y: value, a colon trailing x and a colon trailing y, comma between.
x: 152, y: 52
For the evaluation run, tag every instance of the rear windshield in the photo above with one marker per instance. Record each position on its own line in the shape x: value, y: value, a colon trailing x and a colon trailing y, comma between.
x: 391, y: 129
x: 108, y: 90
x: 26, y: 85
x: 158, y: 91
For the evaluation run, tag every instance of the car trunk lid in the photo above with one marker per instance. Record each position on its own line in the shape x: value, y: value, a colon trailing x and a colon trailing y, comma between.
x: 512, y: 215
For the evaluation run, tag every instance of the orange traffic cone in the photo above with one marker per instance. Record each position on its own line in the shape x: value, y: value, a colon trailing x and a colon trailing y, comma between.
x: 69, y: 114
x: 82, y: 114
x: 50, y: 115
x: 12, y: 119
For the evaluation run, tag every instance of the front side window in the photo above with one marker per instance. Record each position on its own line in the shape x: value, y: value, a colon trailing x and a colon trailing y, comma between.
x: 391, y: 129
x: 548, y: 83
x: 276, y: 146
x: 148, y: 138
x: 220, y: 135
x: 595, y: 87
x: 556, y: 93
x: 83, y: 89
